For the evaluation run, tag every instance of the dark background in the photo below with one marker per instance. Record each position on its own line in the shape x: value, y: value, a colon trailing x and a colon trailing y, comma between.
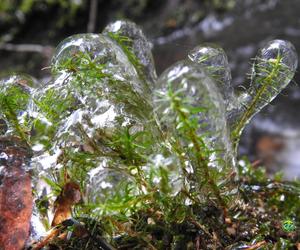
x: 30, y: 30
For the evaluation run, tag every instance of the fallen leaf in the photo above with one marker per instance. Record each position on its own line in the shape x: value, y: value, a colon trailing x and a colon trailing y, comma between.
x: 69, y: 196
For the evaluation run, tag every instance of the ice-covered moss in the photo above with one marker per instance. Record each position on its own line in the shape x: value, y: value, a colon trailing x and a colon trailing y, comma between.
x: 141, y: 147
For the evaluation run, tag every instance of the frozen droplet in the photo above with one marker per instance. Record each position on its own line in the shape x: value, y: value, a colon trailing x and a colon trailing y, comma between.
x: 99, y: 55
x: 279, y: 49
x: 274, y: 67
x: 185, y: 92
x: 237, y: 107
x: 214, y: 60
x: 108, y: 181
x: 164, y: 173
x: 114, y: 82
x: 141, y: 47
x: 83, y: 109
x: 15, y: 89
x: 99, y: 48
x: 92, y: 127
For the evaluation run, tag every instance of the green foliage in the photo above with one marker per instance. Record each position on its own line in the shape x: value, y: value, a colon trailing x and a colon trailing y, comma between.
x: 284, y: 195
x: 55, y: 105
x: 187, y: 124
x: 270, y: 77
x: 129, y: 147
x: 126, y: 44
x: 88, y: 77
x: 28, y: 5
x: 13, y: 101
x: 142, y: 203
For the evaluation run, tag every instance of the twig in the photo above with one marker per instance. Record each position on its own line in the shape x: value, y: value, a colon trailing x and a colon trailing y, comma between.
x: 198, y: 242
x: 92, y: 16
x: 257, y: 245
x: 201, y: 227
x: 36, y: 48
x: 51, y: 235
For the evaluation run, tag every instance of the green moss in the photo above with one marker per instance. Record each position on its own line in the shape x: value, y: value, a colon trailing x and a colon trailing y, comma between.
x: 144, y: 211
x: 13, y: 101
x: 147, y: 213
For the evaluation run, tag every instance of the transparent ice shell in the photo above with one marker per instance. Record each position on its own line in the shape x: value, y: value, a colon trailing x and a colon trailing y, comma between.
x: 197, y: 90
x: 214, y: 60
x: 273, y: 69
x: 140, y: 45
x: 87, y: 104
x: 98, y: 90
x: 15, y: 95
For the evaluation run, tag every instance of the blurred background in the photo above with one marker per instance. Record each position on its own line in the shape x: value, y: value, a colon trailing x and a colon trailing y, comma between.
x: 30, y: 30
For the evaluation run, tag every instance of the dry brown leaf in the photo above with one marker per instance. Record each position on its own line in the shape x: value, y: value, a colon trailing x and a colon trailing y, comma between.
x: 69, y: 196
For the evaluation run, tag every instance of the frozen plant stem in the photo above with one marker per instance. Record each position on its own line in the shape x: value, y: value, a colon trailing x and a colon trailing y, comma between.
x: 266, y: 82
x: 202, y: 160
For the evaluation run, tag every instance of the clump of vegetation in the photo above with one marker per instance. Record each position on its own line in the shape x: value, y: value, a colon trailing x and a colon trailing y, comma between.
x: 129, y: 161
